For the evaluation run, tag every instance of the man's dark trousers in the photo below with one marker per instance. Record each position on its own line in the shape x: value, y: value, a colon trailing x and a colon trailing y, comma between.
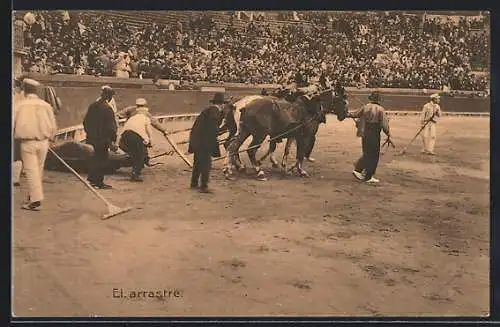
x: 98, y: 162
x: 201, y: 167
x: 370, y: 144
x: 133, y: 144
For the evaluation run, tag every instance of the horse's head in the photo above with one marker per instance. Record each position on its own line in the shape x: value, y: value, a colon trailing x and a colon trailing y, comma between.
x: 335, y: 101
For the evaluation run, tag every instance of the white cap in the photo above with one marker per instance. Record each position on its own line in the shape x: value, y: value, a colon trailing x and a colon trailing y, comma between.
x: 141, y: 102
x: 435, y: 96
x: 106, y: 87
x: 32, y: 82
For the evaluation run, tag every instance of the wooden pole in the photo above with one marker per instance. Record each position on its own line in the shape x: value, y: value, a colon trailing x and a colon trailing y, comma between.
x: 176, y: 149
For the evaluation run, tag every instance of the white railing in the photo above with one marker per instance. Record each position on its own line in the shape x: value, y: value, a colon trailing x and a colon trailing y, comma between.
x: 77, y: 133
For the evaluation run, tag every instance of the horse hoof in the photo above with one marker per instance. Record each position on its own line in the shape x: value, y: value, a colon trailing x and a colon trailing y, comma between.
x: 261, y: 176
x: 304, y: 174
x: 275, y: 165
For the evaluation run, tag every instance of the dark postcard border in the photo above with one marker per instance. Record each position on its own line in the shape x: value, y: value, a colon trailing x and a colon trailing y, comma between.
x: 263, y: 5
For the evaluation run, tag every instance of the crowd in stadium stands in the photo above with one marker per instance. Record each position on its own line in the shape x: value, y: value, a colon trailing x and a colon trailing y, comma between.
x: 364, y: 50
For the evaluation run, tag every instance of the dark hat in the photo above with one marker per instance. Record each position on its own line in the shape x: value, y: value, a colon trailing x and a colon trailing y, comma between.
x: 218, y: 98
x: 107, y: 89
x: 375, y: 96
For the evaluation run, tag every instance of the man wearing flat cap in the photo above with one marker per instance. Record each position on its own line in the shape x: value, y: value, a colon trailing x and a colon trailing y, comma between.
x: 100, y: 126
x: 129, y: 111
x: 34, y: 125
x: 203, y: 141
x: 429, y: 118
x: 372, y: 120
x: 137, y: 136
x: 111, y: 102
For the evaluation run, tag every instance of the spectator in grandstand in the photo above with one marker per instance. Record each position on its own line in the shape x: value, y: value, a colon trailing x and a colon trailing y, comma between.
x: 122, y: 65
x: 405, y: 56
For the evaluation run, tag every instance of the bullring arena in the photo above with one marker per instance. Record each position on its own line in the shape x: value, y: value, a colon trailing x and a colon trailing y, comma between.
x: 415, y: 244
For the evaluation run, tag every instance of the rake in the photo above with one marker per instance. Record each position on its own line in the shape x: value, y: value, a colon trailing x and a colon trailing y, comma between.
x: 112, y: 209
x: 416, y: 135
x: 176, y: 149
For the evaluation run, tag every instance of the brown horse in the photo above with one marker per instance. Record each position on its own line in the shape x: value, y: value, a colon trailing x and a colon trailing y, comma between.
x: 280, y: 119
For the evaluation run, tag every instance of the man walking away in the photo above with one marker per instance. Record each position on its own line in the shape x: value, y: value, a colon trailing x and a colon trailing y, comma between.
x: 34, y: 125
x: 203, y: 142
x: 17, y: 165
x: 430, y: 114
x: 136, y: 137
x: 372, y: 120
x: 100, y: 126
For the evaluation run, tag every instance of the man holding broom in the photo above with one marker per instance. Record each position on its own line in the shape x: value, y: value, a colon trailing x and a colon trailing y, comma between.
x: 137, y: 136
x: 428, y: 121
x: 34, y: 125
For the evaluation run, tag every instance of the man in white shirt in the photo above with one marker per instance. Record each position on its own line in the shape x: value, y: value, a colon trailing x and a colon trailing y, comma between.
x: 17, y: 165
x: 429, y: 118
x: 34, y: 125
x: 136, y: 137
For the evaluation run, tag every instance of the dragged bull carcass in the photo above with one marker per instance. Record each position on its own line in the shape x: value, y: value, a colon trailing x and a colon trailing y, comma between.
x: 281, y: 119
x: 77, y: 155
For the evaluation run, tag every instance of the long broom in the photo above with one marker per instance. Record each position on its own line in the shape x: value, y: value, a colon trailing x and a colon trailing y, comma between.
x: 112, y: 209
x: 416, y: 135
x: 176, y: 149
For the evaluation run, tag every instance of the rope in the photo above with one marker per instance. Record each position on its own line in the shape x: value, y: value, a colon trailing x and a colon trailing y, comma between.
x: 271, y: 139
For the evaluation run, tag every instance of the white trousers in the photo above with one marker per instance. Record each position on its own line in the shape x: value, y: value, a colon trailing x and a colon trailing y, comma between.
x: 17, y: 168
x: 33, y: 154
x: 429, y: 137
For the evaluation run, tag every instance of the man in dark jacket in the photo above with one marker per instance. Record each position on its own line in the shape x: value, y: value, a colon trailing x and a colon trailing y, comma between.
x: 100, y: 127
x: 203, y: 142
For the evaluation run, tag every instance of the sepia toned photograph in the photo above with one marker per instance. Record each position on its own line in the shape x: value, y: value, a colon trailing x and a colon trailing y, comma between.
x: 250, y: 163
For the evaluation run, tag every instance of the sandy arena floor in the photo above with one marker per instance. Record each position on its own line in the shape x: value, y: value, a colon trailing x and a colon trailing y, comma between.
x: 416, y: 244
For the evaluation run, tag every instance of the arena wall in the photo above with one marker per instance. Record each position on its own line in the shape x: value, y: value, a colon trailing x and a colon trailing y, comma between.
x: 77, y: 92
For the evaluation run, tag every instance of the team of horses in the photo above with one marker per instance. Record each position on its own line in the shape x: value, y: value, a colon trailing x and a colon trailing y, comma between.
x: 294, y: 116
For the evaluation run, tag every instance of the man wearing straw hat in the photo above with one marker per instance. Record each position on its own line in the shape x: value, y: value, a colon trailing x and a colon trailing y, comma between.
x: 429, y: 117
x: 34, y: 125
x: 136, y: 137
x: 203, y: 142
x: 372, y: 120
